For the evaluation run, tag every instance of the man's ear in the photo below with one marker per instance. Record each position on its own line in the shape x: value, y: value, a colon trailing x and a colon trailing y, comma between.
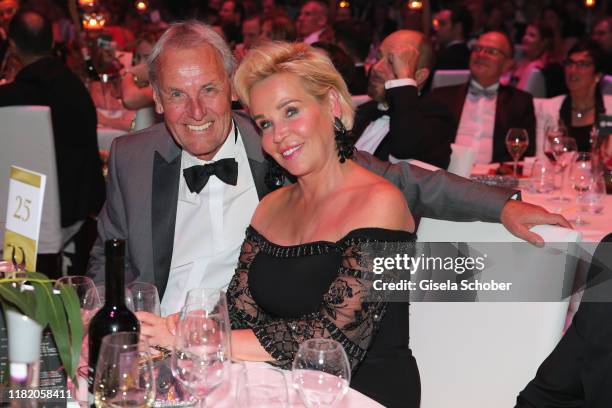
x: 159, y: 108
x: 508, y: 65
x: 420, y: 76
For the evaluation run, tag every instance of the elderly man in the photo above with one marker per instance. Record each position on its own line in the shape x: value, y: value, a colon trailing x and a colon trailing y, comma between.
x: 482, y: 109
x: 397, y: 121
x: 312, y: 21
x: 183, y: 192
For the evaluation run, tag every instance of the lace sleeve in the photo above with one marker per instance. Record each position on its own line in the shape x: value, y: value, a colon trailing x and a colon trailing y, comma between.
x: 243, y: 311
x: 350, y: 313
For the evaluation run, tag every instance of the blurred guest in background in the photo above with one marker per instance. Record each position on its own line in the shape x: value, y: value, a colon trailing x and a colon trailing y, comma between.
x: 251, y: 33
x: 44, y: 80
x: 453, y: 27
x: 355, y: 37
x: 8, y: 8
x: 278, y: 28
x: 602, y: 34
x: 231, y: 17
x: 341, y: 60
x: 312, y: 21
x: 482, y: 109
x: 557, y: 21
x: 397, y: 121
x: 580, y: 108
x: 537, y: 45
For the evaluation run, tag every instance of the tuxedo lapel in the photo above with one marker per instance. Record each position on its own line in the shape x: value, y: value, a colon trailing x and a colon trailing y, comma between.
x: 457, y: 104
x: 252, y: 145
x: 363, y: 117
x: 164, y: 199
x: 501, y: 117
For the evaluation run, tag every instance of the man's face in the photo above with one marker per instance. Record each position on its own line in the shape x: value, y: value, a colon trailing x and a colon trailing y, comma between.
x: 382, y: 70
x: 602, y: 34
x: 490, y: 58
x: 312, y: 18
x: 251, y: 31
x: 444, y: 27
x: 8, y: 8
x: 227, y: 12
x: 195, y: 97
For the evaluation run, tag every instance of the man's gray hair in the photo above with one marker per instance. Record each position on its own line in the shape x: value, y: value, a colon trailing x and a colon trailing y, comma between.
x: 185, y: 35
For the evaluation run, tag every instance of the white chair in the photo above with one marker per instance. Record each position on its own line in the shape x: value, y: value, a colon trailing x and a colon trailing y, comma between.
x: 145, y: 117
x: 26, y: 140
x: 448, y: 77
x: 536, y: 84
x: 482, y: 354
x: 606, y: 85
x: 106, y: 137
x: 461, y: 160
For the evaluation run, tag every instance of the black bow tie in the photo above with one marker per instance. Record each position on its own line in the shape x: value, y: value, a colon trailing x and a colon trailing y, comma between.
x: 196, y: 177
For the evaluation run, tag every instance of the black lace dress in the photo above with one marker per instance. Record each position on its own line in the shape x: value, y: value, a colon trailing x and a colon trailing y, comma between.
x: 288, y: 294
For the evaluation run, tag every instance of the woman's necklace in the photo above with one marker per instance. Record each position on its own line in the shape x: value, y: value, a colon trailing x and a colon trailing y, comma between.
x: 581, y: 112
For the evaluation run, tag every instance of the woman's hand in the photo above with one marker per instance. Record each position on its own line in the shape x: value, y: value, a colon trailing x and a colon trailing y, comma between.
x: 158, y: 330
x: 246, y: 347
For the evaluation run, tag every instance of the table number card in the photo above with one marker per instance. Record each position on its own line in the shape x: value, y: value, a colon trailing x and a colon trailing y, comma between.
x: 24, y: 212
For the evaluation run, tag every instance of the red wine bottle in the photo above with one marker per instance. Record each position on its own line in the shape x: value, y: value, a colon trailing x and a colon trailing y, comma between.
x: 113, y: 316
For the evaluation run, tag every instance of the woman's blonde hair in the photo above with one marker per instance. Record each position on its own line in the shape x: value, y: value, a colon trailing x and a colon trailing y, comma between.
x: 312, y: 66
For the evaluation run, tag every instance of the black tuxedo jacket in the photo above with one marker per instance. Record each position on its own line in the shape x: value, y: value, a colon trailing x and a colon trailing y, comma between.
x: 514, y: 109
x: 359, y: 83
x: 48, y: 82
x: 578, y: 373
x: 419, y: 128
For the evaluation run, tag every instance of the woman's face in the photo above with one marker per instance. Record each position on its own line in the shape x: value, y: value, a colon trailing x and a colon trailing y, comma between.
x: 533, y: 43
x: 296, y: 127
x: 580, y: 72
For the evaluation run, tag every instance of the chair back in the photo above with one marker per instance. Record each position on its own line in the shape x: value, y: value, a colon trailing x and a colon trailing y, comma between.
x: 145, y: 117
x: 26, y: 140
x: 482, y: 354
x: 536, y: 84
x: 461, y: 160
x: 449, y: 77
x: 606, y: 85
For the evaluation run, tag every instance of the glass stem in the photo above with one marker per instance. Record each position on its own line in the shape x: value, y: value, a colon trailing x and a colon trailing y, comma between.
x: 515, y: 167
x: 563, y: 181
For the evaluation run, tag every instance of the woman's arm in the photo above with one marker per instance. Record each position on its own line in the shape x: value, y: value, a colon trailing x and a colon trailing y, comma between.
x: 246, y: 346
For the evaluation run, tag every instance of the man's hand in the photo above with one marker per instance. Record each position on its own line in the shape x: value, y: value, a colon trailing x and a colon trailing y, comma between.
x: 518, y: 217
x: 403, y: 61
x: 157, y: 330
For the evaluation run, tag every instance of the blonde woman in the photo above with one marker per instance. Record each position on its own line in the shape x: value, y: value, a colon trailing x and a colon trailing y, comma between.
x: 304, y: 270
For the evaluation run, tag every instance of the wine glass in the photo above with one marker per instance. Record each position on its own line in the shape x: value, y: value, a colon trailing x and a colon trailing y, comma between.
x: 321, y: 373
x: 581, y: 178
x: 145, y: 297
x: 200, y: 359
x: 85, y: 289
x: 552, y: 133
x: 517, y: 141
x: 564, y: 149
x: 124, y: 372
x: 129, y: 299
x: 261, y: 385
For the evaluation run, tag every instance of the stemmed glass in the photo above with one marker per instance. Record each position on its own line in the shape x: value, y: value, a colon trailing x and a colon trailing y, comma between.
x: 124, y: 372
x: 564, y: 149
x: 201, y: 358
x: 321, y: 373
x: 85, y: 289
x: 582, y: 180
x: 261, y: 385
x: 517, y: 141
x: 145, y: 297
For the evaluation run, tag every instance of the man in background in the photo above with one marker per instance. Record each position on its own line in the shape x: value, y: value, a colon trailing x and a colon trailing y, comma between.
x: 483, y: 110
x: 44, y: 80
x: 602, y: 34
x: 453, y: 26
x: 312, y: 21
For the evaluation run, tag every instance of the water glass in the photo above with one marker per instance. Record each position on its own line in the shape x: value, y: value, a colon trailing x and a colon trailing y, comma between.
x: 542, y: 176
x: 321, y: 373
x: 145, y: 297
x: 592, y: 200
x: 124, y: 372
x: 261, y: 385
x: 564, y: 149
x: 200, y: 359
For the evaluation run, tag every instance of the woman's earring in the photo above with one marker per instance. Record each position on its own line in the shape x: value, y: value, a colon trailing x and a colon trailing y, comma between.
x: 344, y: 143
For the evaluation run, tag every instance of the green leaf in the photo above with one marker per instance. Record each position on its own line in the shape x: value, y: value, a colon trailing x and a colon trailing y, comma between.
x: 58, y: 323
x: 73, y: 309
x: 41, y: 309
x: 14, y: 297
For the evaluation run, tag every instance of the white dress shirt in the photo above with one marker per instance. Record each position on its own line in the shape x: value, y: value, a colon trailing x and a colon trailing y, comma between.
x: 376, y: 131
x: 477, y: 123
x: 210, y: 227
x: 313, y: 37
